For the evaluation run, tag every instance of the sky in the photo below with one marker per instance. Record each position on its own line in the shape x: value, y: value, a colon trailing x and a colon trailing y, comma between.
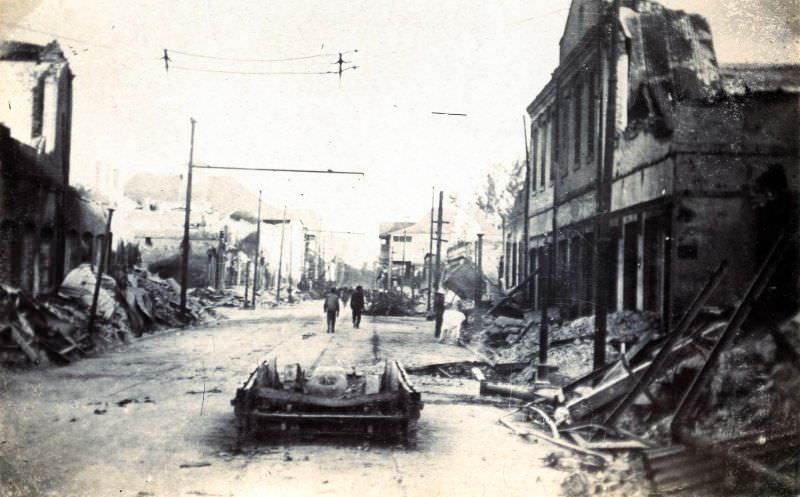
x: 484, y: 59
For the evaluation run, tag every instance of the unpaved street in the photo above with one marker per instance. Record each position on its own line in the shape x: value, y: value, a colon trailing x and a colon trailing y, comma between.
x: 154, y: 419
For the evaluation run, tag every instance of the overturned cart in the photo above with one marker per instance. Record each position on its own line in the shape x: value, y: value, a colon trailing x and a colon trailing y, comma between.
x: 328, y: 401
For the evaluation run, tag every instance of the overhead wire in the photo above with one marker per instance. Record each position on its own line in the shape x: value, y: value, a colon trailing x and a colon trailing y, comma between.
x: 258, y: 73
x: 237, y: 59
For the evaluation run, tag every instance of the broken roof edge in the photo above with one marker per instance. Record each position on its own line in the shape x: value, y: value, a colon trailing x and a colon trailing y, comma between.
x: 20, y: 51
x: 749, y: 77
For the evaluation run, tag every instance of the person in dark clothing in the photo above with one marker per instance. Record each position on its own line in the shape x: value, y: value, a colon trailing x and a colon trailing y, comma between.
x: 438, y: 312
x: 357, y: 305
x: 331, y: 308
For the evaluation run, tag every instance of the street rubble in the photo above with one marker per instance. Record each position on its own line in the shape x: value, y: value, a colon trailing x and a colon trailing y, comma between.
x: 627, y: 428
x: 53, y: 327
x: 392, y: 304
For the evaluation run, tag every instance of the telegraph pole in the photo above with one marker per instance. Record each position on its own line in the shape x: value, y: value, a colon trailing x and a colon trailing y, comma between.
x: 391, y: 263
x: 280, y: 258
x: 258, y: 250
x: 429, y: 263
x: 526, y: 242
x: 291, y: 244
x: 479, y: 257
x: 186, y: 249
x: 603, y: 273
x: 439, y: 242
x: 403, y: 274
x: 100, y: 269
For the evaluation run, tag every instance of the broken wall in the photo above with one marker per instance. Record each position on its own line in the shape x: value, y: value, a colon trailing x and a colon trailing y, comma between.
x: 31, y: 219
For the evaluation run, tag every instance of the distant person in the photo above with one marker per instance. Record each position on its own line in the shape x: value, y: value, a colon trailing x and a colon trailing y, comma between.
x: 346, y: 292
x: 357, y: 305
x: 438, y: 312
x: 331, y: 308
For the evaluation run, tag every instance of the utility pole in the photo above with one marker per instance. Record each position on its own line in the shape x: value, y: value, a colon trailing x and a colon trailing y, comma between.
x: 280, y: 258
x: 404, y: 273
x: 100, y: 269
x: 246, y: 282
x: 603, y: 254
x: 439, y: 242
x: 526, y: 242
x: 186, y: 248
x: 219, y: 280
x: 258, y: 251
x: 429, y: 262
x: 479, y: 259
x: 291, y: 244
x: 391, y: 263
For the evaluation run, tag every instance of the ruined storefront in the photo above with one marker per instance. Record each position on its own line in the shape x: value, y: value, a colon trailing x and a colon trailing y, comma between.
x: 46, y: 226
x: 705, y: 163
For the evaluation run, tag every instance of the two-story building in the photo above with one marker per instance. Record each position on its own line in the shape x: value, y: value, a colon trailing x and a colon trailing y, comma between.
x: 704, y: 165
x: 46, y: 227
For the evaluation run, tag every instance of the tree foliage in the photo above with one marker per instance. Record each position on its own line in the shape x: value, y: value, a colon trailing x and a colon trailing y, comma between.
x: 499, y: 191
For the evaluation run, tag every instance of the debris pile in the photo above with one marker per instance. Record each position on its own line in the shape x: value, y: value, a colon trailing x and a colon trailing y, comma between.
x: 708, y: 407
x: 209, y: 298
x: 391, y: 304
x: 507, y: 339
x: 54, y: 327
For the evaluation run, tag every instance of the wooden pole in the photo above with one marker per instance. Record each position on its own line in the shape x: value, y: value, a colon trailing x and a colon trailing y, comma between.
x: 438, y: 280
x: 604, y: 253
x: 479, y: 258
x: 291, y: 244
x: 258, y: 250
x: 186, y: 248
x: 246, y: 282
x: 527, y: 204
x: 403, y: 274
x: 100, y: 269
x: 280, y: 258
x: 429, y: 262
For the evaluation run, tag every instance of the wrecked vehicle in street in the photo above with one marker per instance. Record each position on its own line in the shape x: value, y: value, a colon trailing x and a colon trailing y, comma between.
x: 328, y: 401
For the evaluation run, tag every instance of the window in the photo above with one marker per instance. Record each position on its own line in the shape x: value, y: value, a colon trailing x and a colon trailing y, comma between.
x: 545, y: 152
x: 564, y: 135
x: 148, y: 241
x: 38, y: 109
x: 535, y: 163
x: 552, y: 150
x: 592, y: 116
x: 401, y: 238
x: 577, y: 136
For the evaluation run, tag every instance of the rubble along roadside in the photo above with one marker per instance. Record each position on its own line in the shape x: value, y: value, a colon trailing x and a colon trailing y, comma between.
x: 52, y: 328
x: 748, y: 407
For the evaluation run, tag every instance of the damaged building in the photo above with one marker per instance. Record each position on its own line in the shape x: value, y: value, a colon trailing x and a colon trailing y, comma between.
x: 46, y: 226
x: 705, y: 166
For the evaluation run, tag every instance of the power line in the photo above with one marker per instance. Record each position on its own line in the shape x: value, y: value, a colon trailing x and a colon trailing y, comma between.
x: 42, y: 32
x: 257, y: 73
x: 279, y: 170
x: 237, y: 59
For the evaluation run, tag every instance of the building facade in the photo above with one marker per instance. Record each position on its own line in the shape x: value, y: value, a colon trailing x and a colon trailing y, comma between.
x: 46, y: 226
x: 704, y: 156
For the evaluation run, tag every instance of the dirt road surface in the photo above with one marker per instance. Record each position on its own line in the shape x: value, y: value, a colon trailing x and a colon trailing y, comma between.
x: 153, y: 418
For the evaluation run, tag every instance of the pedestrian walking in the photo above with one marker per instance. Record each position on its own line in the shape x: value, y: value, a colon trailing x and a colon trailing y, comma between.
x: 331, y: 308
x: 357, y: 305
x: 438, y: 312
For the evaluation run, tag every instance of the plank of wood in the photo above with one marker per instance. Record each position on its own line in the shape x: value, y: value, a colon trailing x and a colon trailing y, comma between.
x: 616, y: 445
x: 479, y: 355
x: 29, y: 351
x: 531, y: 432
x: 604, y: 393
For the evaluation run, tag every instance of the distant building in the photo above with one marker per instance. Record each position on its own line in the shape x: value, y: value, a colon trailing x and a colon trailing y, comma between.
x: 407, y: 245
x: 705, y: 165
x: 46, y: 227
